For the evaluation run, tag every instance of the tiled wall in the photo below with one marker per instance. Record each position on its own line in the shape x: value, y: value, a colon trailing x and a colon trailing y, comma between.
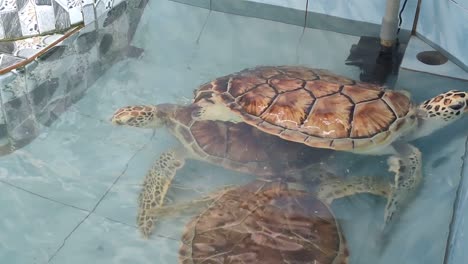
x: 367, y: 11
x: 444, y: 23
x: 360, y: 18
x: 33, y: 96
x: 27, y: 18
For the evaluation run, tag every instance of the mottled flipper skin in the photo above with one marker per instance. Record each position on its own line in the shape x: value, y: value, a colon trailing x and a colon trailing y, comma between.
x: 407, y: 168
x: 155, y: 186
x: 332, y: 187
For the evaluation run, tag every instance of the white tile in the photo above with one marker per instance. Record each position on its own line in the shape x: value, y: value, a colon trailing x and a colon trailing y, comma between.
x: 411, y: 62
x: 84, y: 156
x: 98, y: 240
x: 327, y: 50
x: 230, y: 43
x: 32, y: 228
x: 76, y: 15
x: 168, y: 32
x: 446, y: 24
x: 28, y: 19
x: 89, y: 14
x: 45, y: 18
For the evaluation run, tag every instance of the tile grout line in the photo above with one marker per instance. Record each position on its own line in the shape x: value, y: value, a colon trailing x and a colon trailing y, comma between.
x: 134, y: 226
x: 203, y: 28
x: 197, y: 41
x: 302, y: 33
x: 98, y: 202
x: 57, y: 201
x: 42, y: 196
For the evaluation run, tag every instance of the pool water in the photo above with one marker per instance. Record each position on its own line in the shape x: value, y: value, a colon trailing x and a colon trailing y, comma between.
x: 71, y: 195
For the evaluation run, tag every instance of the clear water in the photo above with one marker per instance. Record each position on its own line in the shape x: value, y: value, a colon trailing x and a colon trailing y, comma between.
x: 70, y: 196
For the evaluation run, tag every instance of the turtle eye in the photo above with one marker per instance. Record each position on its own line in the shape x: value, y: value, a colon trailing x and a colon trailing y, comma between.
x: 458, y: 106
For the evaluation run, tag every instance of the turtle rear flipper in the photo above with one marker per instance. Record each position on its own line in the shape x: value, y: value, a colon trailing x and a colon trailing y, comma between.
x: 155, y: 186
x: 332, y: 187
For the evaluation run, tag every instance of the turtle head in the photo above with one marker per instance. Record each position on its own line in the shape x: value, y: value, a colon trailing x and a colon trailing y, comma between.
x: 137, y: 116
x: 441, y: 110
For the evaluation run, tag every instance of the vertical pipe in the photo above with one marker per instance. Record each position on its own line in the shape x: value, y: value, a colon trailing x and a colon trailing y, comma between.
x: 388, y: 30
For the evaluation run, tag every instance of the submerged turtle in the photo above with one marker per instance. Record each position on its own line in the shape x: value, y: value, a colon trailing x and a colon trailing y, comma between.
x: 320, y: 109
x: 271, y: 223
x: 239, y: 147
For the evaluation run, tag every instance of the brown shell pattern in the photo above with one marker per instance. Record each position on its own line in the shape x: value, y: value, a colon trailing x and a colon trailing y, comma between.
x: 311, y: 104
x: 243, y: 144
x: 262, y: 223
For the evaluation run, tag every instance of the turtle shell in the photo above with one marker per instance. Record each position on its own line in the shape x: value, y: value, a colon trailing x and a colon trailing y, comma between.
x: 241, y: 147
x: 313, y: 106
x: 264, y: 223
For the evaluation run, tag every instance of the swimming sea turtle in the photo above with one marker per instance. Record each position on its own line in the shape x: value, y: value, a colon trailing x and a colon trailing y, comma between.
x: 239, y: 147
x: 320, y: 109
x: 271, y: 222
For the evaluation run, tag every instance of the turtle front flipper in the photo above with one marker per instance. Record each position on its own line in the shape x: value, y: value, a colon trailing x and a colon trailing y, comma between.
x: 155, y: 186
x: 407, y: 168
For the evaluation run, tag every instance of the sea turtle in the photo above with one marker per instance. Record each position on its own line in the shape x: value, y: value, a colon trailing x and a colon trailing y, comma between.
x: 271, y: 222
x: 320, y: 109
x: 239, y: 147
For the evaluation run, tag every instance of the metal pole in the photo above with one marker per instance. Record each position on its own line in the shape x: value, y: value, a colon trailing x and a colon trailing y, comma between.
x: 388, y: 30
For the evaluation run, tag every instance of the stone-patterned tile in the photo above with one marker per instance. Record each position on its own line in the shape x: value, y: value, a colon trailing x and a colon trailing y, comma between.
x: 13, y: 86
x: 48, y: 81
x: 116, y: 2
x: 65, y: 4
x: 45, y: 17
x: 62, y: 17
x: 11, y: 24
x: 102, y: 6
x: 88, y: 13
x: 115, y: 13
x: 2, y: 31
x: 32, y: 228
x: 84, y: 156
x: 28, y: 19
x: 27, y: 48
x: 230, y: 43
x: 16, y: 51
x: 8, y: 6
x: 17, y: 107
x: 74, y: 9
x: 99, y: 240
x: 8, y: 60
